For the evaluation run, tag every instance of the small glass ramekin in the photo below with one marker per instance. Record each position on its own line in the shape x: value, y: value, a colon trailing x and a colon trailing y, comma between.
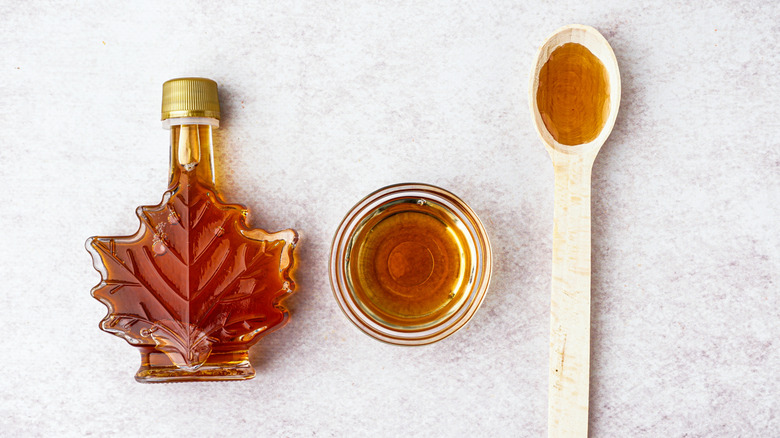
x: 477, y: 271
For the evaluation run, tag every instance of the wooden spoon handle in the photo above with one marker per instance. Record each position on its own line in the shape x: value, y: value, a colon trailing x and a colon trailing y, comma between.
x: 570, y: 303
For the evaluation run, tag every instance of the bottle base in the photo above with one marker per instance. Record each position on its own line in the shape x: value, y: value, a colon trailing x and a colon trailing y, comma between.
x: 157, y: 368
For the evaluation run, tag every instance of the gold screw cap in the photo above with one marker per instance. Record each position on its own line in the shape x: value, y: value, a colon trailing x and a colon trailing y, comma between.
x: 190, y: 97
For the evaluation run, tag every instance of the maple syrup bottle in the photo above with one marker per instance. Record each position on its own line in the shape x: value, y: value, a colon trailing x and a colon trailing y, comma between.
x: 194, y: 287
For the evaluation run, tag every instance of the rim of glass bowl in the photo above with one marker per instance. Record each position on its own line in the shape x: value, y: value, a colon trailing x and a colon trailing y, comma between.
x: 479, y: 277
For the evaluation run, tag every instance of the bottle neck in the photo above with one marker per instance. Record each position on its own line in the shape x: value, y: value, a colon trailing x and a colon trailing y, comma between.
x: 192, y: 152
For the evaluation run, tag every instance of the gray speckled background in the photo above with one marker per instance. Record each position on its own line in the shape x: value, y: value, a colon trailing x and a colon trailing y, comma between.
x: 324, y: 102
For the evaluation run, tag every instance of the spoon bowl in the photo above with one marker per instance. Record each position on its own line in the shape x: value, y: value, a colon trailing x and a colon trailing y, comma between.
x: 592, y: 40
x: 569, y: 350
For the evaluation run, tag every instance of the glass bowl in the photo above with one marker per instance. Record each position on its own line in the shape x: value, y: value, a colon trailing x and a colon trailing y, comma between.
x: 410, y: 264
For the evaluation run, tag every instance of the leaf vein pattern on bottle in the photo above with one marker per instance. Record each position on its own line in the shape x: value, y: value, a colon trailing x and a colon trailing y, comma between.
x: 194, y: 277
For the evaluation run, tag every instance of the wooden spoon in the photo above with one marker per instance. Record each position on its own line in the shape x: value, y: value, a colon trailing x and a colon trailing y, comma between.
x: 570, y: 302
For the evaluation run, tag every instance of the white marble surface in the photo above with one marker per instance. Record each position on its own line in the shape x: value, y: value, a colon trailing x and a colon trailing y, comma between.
x: 325, y: 102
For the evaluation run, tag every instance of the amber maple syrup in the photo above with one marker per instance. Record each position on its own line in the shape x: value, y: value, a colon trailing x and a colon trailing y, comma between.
x: 408, y: 263
x: 573, y: 95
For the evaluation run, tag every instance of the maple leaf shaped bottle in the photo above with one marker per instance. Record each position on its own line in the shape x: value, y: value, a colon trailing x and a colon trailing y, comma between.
x: 194, y: 287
